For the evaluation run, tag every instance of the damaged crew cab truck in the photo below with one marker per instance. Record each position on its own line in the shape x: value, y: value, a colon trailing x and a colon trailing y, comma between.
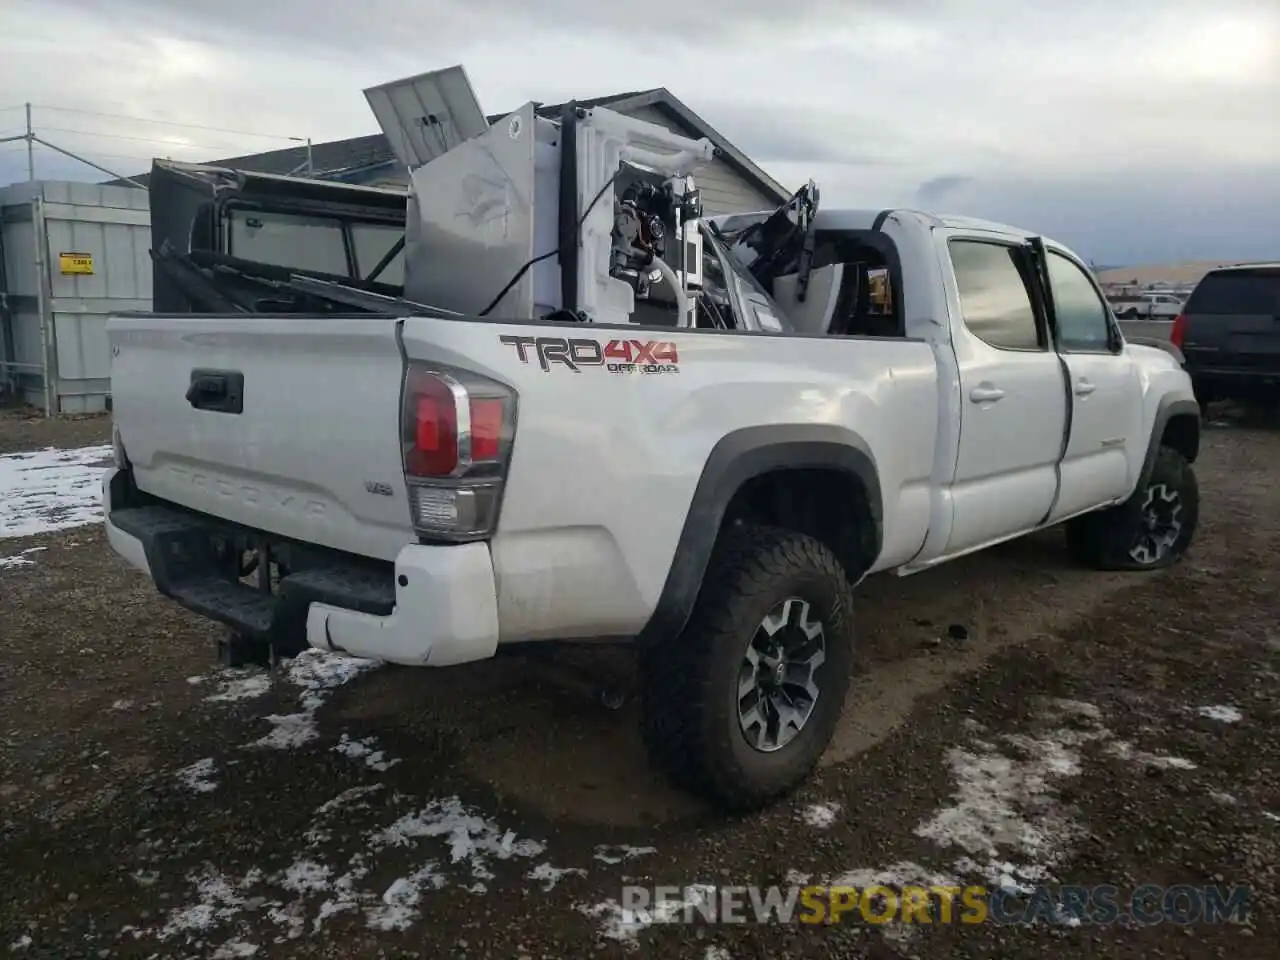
x: 519, y: 441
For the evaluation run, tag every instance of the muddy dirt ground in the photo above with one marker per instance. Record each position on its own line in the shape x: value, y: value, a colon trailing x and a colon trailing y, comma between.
x: 1086, y: 729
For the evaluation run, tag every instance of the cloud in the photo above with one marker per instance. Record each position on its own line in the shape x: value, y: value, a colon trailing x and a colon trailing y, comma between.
x: 937, y: 191
x: 1142, y: 128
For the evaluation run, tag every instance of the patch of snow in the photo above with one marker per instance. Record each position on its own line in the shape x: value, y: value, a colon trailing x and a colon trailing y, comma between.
x: 1002, y: 803
x: 349, y: 799
x: 288, y: 731
x: 364, y: 750
x: 1220, y: 796
x: 1271, y: 816
x: 318, y: 674
x: 1020, y: 878
x: 820, y: 815
x: 1223, y: 713
x: 716, y: 953
x: 1006, y: 824
x: 900, y: 937
x: 623, y: 924
x: 218, y: 900
x: 293, y: 917
x: 19, y: 559
x: 473, y: 839
x: 197, y: 776
x: 51, y: 489
x: 797, y: 879
x: 235, y: 950
x: 904, y: 873
x: 145, y: 878
x: 20, y: 944
x: 122, y: 705
x: 1057, y: 708
x: 550, y: 875
x: 235, y: 685
x: 306, y: 876
x: 301, y: 898
x: 346, y: 798
x: 399, y: 907
x: 344, y: 897
x: 1123, y: 750
x: 616, y: 853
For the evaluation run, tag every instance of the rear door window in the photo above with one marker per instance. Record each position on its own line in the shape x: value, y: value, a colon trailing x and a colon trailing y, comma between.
x: 1237, y: 292
x: 994, y: 300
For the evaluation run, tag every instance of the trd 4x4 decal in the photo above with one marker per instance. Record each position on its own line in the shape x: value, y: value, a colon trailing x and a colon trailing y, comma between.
x: 616, y: 356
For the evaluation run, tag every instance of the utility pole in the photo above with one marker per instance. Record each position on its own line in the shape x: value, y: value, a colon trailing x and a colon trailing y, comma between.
x: 310, y: 166
x: 31, y: 148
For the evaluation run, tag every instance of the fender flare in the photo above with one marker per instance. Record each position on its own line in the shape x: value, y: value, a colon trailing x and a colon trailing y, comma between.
x: 737, y: 458
x: 1168, y: 408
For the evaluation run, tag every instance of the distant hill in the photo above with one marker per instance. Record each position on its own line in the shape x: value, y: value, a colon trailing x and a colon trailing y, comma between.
x: 1187, y: 272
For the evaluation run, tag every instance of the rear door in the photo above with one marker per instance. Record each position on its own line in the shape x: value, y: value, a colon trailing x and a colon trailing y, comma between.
x: 1233, y: 322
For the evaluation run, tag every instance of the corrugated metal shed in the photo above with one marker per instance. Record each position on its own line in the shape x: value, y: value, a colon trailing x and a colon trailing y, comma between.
x: 73, y: 253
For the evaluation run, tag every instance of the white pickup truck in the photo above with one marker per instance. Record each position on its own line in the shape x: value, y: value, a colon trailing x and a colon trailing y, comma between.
x: 1148, y: 306
x: 843, y: 393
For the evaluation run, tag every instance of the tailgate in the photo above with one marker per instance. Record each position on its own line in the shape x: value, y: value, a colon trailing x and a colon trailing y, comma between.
x: 284, y: 424
x: 1244, y: 341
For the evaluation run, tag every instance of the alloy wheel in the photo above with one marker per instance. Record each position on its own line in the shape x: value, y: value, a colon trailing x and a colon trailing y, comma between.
x: 777, y: 679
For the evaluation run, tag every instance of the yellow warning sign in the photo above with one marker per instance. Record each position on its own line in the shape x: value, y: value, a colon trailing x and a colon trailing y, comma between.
x: 75, y: 263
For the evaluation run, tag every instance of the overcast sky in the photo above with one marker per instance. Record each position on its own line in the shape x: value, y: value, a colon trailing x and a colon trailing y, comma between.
x: 1133, y: 130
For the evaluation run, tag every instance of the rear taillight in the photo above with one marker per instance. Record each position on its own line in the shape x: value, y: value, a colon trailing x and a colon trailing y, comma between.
x: 456, y: 432
x: 1179, y: 331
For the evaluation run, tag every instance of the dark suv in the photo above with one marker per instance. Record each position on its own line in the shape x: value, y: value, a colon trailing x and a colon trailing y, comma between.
x: 1229, y: 333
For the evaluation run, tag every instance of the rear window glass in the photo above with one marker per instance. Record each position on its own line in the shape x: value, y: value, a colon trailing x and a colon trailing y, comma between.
x: 1238, y: 292
x: 289, y: 240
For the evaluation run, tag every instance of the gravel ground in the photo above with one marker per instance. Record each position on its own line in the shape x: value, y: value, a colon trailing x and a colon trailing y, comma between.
x: 1081, y: 729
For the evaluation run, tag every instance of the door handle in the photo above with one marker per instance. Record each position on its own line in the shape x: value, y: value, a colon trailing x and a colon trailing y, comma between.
x: 1084, y: 388
x: 985, y: 393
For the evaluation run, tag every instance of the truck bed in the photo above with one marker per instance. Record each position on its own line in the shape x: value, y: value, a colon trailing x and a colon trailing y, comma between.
x: 615, y: 426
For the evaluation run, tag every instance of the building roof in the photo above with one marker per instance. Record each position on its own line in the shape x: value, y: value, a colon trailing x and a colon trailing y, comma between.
x: 339, y: 159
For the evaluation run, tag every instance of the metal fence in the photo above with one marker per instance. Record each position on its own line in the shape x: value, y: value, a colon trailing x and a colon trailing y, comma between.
x: 70, y: 254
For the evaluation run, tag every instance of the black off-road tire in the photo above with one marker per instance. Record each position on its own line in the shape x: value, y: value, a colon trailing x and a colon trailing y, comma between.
x: 1106, y: 540
x: 689, y: 683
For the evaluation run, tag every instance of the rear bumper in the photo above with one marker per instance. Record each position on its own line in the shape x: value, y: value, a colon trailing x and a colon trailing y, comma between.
x: 434, y: 606
x: 446, y: 612
x: 1228, y: 380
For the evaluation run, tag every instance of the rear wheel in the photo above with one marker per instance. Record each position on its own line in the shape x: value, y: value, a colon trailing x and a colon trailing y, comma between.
x: 1150, y: 530
x: 739, y: 706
